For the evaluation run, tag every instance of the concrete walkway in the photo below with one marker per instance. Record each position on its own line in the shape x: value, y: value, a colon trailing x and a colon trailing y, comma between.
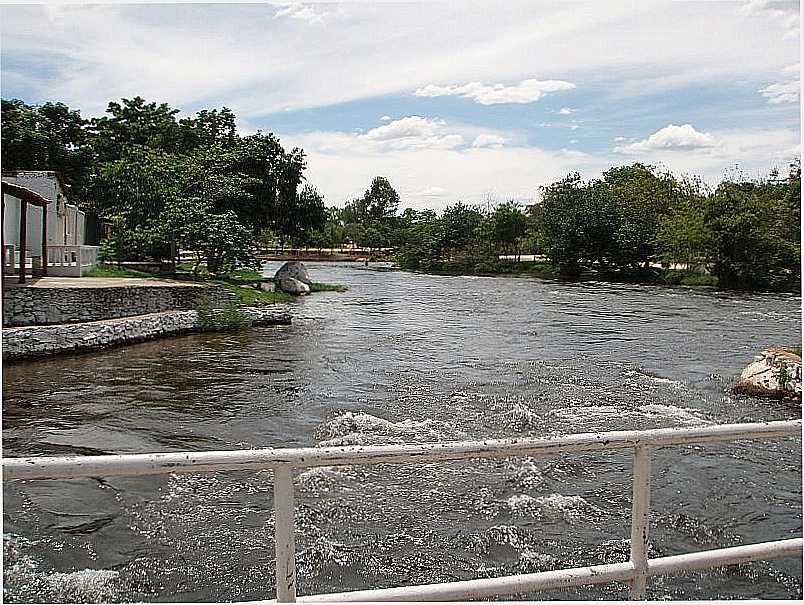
x: 97, y: 282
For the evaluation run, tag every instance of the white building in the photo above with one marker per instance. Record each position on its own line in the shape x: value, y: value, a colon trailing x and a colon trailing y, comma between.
x: 65, y: 231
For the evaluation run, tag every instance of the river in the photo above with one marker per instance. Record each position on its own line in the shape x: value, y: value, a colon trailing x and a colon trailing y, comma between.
x: 401, y: 358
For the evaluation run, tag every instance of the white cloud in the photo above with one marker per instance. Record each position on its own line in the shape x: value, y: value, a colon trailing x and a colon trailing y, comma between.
x: 241, y: 56
x: 785, y: 13
x: 488, y: 140
x: 565, y: 111
x: 434, y: 192
x: 513, y: 171
x: 527, y: 91
x: 301, y: 12
x: 414, y: 132
x: 784, y: 92
x: 385, y: 119
x: 671, y: 138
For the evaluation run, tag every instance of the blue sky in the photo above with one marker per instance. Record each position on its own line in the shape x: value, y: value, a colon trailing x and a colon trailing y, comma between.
x: 449, y: 100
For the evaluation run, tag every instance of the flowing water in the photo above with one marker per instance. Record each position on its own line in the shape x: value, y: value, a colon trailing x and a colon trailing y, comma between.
x: 406, y: 358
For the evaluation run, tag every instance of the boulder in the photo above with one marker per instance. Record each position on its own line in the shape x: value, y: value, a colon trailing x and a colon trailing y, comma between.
x: 774, y: 373
x: 293, y: 286
x: 295, y: 270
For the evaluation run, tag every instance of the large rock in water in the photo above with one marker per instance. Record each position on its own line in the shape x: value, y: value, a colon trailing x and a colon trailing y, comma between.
x: 292, y: 286
x: 295, y: 270
x: 774, y: 373
x: 292, y: 277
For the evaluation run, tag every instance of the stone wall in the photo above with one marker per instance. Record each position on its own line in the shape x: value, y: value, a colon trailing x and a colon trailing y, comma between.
x: 38, y: 341
x: 45, y: 306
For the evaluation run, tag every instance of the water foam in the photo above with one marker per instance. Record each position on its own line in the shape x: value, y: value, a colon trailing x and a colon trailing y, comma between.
x: 555, y: 506
x: 350, y: 428
x: 322, y: 478
x: 23, y: 575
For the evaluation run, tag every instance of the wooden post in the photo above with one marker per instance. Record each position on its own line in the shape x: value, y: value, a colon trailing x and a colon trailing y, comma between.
x: 44, y: 240
x: 23, y: 237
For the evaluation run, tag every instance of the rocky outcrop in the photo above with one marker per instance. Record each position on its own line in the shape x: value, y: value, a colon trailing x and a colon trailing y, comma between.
x: 292, y: 278
x: 37, y: 341
x: 774, y: 373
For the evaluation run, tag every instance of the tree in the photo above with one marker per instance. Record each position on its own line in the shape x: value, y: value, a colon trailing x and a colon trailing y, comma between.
x: 380, y: 201
x: 48, y: 137
x: 642, y: 197
x: 578, y: 222
x: 509, y: 224
x: 755, y: 231
x: 682, y: 235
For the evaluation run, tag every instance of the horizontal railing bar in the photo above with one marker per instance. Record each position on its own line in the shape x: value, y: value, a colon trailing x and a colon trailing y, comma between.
x: 734, y: 555
x: 270, y: 458
x: 486, y: 587
x: 565, y: 578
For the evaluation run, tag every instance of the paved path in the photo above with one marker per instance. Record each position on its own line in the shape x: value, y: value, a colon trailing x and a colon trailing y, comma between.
x: 96, y: 282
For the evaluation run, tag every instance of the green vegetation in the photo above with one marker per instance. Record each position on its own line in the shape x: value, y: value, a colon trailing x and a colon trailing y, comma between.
x: 112, y: 271
x: 625, y: 226
x: 252, y: 297
x: 195, y: 184
x: 229, y: 318
x: 168, y: 183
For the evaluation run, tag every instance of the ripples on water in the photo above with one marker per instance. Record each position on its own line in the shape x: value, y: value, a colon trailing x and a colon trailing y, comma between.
x: 403, y: 358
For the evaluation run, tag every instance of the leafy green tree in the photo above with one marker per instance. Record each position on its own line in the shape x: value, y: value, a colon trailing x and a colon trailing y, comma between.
x: 380, y: 201
x: 461, y: 227
x: 682, y: 235
x: 47, y: 137
x: 578, y: 223
x: 755, y: 231
x: 509, y: 225
x: 642, y: 197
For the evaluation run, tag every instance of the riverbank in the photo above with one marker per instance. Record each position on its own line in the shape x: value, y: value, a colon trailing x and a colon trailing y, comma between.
x: 44, y: 340
x: 543, y: 270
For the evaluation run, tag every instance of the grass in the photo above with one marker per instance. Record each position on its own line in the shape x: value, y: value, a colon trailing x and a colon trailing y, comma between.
x: 687, y: 278
x: 230, y: 318
x: 320, y: 287
x: 251, y: 297
x: 112, y: 271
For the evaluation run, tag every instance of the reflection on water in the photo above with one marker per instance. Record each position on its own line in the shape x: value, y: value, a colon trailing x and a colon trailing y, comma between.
x: 407, y: 358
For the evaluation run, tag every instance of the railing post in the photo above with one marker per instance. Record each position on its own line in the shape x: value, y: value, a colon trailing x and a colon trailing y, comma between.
x: 284, y: 535
x: 640, y: 514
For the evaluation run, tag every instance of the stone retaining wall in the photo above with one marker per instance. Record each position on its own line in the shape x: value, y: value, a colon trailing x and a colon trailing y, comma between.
x: 38, y: 341
x: 45, y: 306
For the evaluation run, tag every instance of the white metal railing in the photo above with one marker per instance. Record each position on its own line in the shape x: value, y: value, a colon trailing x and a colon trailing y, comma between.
x: 71, y: 260
x: 284, y: 461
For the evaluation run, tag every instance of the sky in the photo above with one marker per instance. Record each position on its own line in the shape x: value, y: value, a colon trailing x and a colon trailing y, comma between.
x: 450, y: 101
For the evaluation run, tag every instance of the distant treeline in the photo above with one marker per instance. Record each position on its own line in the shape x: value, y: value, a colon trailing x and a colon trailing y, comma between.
x: 745, y: 232
x: 196, y: 184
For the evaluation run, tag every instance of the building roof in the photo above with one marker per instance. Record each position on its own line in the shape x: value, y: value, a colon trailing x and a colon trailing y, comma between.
x: 55, y: 173
x: 23, y: 193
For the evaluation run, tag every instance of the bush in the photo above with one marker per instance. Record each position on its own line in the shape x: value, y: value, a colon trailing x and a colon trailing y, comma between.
x: 229, y: 318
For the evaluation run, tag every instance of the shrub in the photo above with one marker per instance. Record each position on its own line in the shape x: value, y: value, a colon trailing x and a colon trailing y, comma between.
x: 229, y: 318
